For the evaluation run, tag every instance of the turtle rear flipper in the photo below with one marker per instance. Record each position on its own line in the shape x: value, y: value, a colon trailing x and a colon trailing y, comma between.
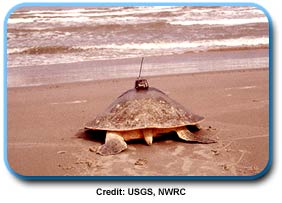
x: 148, y: 136
x: 184, y: 134
x: 114, y: 144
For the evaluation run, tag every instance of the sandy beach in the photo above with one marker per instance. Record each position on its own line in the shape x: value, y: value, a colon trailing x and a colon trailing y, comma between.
x: 45, y: 122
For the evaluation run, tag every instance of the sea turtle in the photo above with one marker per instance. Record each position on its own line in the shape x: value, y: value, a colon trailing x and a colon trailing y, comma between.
x: 143, y: 112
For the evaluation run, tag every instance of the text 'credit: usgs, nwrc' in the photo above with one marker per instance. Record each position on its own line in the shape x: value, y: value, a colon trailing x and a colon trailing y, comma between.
x: 142, y: 191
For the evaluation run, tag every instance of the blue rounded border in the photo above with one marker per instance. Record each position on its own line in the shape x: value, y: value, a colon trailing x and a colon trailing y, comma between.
x: 141, y: 178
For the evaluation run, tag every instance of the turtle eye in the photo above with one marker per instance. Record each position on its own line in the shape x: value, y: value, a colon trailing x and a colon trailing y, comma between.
x: 141, y: 84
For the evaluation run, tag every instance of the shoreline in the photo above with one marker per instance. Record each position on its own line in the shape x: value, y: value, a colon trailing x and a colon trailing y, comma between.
x: 148, y: 78
x: 129, y: 68
x: 45, y: 138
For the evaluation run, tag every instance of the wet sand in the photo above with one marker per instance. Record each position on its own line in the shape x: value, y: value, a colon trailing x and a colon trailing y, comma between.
x: 44, y: 122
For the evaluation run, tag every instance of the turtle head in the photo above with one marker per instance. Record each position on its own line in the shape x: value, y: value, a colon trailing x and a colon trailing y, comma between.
x: 141, y: 84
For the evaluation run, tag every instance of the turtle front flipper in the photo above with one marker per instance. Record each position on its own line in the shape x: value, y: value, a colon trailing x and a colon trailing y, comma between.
x: 185, y: 134
x: 114, y: 144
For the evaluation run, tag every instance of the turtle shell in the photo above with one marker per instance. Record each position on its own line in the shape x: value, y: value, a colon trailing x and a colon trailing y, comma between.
x: 143, y: 108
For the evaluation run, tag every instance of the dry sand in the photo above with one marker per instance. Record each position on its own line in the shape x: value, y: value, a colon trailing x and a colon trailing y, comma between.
x: 44, y: 122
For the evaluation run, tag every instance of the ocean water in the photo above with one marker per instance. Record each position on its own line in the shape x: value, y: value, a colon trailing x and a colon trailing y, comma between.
x: 41, y: 38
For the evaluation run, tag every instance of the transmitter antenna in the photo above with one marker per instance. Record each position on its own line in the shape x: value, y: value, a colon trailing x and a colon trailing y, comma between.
x: 141, y: 84
x: 141, y: 68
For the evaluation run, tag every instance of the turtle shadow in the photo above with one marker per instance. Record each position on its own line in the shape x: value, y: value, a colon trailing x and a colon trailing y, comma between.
x: 159, y: 139
x: 100, y: 135
x: 92, y: 135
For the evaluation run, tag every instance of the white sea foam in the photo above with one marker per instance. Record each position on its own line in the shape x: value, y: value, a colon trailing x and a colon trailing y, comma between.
x: 114, y: 11
x: 203, y: 44
x: 73, y: 19
x: 226, y: 22
x: 174, y: 47
x: 83, y: 15
x: 20, y: 20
